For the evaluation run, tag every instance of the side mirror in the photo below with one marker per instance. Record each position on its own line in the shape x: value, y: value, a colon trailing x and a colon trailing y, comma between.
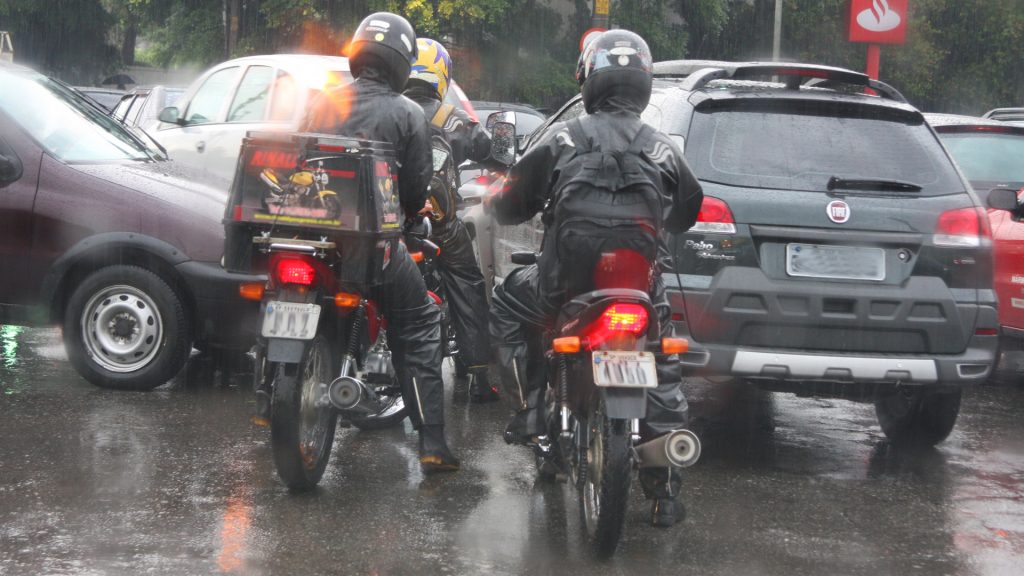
x: 1003, y: 199
x: 10, y: 169
x: 500, y: 116
x: 170, y: 115
x: 503, y: 138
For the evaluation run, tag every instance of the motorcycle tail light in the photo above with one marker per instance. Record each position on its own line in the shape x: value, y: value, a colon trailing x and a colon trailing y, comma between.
x: 292, y: 271
x: 620, y: 321
x: 964, y: 227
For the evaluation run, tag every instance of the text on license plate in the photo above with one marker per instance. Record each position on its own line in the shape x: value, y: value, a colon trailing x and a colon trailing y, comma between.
x: 839, y: 262
x: 290, y: 320
x: 625, y: 369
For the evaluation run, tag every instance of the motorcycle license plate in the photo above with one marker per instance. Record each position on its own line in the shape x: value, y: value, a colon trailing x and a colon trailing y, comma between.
x: 625, y: 369
x: 290, y: 320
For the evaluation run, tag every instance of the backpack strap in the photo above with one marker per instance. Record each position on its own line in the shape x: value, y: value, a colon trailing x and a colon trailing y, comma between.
x: 442, y: 114
x: 636, y: 146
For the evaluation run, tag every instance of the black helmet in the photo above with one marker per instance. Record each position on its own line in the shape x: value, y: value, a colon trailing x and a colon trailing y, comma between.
x: 387, y: 43
x: 618, y: 64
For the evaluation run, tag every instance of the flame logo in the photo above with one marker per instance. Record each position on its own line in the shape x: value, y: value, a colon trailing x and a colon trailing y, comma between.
x: 879, y: 17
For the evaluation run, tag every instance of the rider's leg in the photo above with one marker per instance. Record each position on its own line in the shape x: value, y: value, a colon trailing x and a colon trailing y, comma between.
x: 467, y: 304
x: 667, y: 410
x: 414, y: 333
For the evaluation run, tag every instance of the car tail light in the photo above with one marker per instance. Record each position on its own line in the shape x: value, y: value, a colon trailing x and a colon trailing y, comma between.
x: 714, y: 217
x: 482, y: 179
x: 618, y: 320
x: 291, y: 271
x: 964, y: 227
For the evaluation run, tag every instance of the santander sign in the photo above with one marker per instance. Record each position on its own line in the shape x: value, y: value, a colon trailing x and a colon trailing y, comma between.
x: 878, y: 21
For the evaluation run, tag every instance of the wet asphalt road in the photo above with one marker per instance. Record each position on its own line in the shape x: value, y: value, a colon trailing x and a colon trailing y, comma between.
x: 177, y: 481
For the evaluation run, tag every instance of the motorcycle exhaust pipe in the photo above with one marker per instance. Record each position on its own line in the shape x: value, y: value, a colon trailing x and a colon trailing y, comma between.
x: 348, y: 394
x: 679, y: 448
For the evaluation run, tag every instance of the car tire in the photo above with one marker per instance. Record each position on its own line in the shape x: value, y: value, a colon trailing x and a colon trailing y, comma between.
x: 125, y: 328
x: 916, y: 417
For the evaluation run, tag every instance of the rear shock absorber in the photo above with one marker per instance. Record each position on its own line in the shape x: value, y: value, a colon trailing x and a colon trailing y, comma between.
x: 563, y: 391
x: 348, y: 360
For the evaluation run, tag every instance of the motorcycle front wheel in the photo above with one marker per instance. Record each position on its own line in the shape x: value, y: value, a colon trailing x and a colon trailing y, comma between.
x: 604, y: 479
x: 301, y: 431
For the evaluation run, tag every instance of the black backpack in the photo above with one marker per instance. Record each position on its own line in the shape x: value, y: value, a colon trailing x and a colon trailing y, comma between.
x: 603, y: 201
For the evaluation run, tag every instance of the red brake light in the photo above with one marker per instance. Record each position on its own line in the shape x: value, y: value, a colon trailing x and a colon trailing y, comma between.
x: 715, y: 217
x: 621, y: 319
x: 962, y: 227
x: 291, y: 271
x: 482, y: 179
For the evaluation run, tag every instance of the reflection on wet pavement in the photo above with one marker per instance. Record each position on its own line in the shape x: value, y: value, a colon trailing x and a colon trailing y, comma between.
x: 177, y: 481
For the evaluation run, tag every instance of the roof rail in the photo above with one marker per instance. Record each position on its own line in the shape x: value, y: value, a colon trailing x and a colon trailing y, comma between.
x: 793, y: 74
x: 1005, y: 114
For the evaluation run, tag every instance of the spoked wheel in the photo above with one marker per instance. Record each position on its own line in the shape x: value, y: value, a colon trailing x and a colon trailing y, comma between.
x: 301, y: 429
x: 604, y: 480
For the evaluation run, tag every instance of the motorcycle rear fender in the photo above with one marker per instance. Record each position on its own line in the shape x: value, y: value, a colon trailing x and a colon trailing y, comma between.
x: 625, y: 403
x: 285, y: 350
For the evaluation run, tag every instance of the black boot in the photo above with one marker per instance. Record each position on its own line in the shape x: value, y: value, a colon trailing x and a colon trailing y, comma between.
x: 434, y: 453
x: 480, y: 389
x: 665, y: 512
x: 662, y: 486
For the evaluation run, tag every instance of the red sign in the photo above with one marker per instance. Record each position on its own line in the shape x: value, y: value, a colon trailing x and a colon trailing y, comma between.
x: 878, y: 21
x: 590, y: 35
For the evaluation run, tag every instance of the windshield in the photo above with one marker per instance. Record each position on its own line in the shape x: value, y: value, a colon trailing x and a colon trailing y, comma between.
x: 988, y: 157
x: 764, y: 145
x: 65, y: 125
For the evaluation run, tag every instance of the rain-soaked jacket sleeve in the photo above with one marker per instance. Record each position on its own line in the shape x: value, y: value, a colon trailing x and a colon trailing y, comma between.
x: 528, y: 183
x: 416, y: 165
x: 685, y: 189
x: 467, y: 138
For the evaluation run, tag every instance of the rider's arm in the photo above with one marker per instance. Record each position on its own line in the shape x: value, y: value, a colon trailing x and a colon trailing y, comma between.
x: 416, y: 165
x: 685, y: 189
x: 467, y: 137
x: 528, y: 182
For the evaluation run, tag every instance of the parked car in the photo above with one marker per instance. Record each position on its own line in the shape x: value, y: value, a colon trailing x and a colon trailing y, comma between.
x: 106, y: 98
x: 991, y: 155
x: 838, y: 252
x: 1011, y: 115
x: 140, y: 107
x: 103, y: 236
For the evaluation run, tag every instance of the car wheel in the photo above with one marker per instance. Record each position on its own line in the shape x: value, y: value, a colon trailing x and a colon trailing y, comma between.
x: 917, y: 417
x: 126, y: 328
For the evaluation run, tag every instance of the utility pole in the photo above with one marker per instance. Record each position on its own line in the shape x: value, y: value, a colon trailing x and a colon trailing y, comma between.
x: 6, y: 47
x: 777, y: 37
x: 599, y: 14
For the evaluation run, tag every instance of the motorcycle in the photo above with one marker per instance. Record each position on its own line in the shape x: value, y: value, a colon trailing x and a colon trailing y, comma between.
x: 599, y: 361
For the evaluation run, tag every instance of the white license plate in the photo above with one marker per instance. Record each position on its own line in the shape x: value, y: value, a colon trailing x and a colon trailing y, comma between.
x: 839, y: 262
x: 625, y: 369
x: 290, y: 320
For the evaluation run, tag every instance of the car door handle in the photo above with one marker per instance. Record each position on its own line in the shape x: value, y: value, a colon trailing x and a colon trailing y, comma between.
x: 200, y: 146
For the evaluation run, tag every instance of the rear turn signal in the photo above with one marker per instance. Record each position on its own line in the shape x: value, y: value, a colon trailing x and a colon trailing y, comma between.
x: 567, y: 345
x: 417, y: 257
x: 674, y: 345
x: 290, y: 271
x: 251, y: 290
x: 714, y: 217
x: 346, y: 300
x: 964, y: 227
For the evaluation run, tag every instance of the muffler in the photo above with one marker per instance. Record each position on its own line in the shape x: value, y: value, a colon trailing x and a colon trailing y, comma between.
x: 679, y: 448
x: 348, y: 394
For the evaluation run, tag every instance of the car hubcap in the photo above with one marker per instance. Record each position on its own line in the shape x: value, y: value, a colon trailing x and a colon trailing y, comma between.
x: 122, y: 328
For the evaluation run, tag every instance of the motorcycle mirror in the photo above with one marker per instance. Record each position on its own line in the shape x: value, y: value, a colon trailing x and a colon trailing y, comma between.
x: 500, y: 116
x: 10, y: 169
x: 1003, y: 199
x: 503, y: 143
x: 170, y: 115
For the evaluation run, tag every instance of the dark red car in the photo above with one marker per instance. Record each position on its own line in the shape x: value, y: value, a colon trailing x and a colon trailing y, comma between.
x: 991, y: 154
x: 102, y: 235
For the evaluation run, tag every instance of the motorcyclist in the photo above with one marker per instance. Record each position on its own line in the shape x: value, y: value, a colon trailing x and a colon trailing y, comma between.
x: 372, y: 107
x: 615, y: 73
x: 462, y: 138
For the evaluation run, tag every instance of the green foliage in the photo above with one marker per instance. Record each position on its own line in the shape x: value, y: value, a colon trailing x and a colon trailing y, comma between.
x: 653, y: 20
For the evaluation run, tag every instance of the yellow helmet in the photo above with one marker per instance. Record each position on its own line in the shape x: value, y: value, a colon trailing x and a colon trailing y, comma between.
x: 433, y: 65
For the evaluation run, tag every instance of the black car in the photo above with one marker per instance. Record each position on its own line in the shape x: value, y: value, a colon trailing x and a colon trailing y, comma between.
x: 838, y: 252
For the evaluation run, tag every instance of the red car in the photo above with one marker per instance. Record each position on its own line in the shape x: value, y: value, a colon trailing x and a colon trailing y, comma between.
x: 991, y: 155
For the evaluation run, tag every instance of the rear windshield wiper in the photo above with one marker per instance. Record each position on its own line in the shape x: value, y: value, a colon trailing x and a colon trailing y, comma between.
x: 836, y: 183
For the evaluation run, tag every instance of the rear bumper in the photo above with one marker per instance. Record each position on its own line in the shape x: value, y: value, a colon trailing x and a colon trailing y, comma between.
x: 223, y: 318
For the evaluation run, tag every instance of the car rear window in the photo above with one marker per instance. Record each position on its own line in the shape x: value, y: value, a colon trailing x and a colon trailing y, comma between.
x: 779, y: 145
x: 987, y: 156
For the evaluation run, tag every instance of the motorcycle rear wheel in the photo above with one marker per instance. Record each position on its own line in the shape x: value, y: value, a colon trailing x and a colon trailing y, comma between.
x: 604, y: 481
x: 302, y: 433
